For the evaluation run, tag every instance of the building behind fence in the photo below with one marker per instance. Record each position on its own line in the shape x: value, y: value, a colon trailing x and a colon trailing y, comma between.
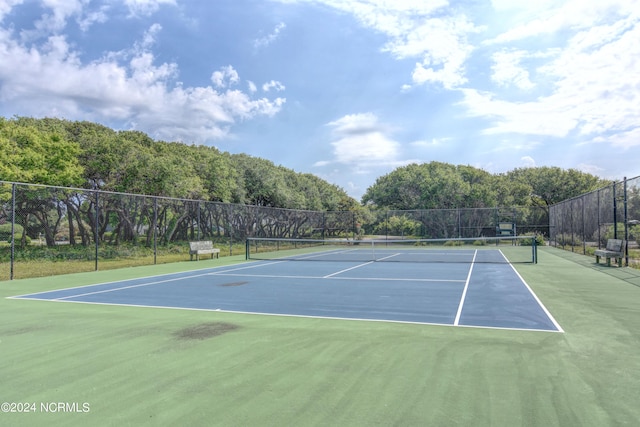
x: 93, y: 228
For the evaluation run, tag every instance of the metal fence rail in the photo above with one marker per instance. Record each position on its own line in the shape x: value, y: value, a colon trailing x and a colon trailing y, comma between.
x: 585, y: 223
x: 90, y: 229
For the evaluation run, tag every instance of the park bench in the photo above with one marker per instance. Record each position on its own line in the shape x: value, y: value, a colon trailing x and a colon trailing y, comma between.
x: 614, y: 249
x: 506, y: 229
x: 203, y: 248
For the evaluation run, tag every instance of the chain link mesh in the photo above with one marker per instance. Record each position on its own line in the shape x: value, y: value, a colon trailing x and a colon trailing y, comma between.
x: 48, y: 230
x: 585, y: 223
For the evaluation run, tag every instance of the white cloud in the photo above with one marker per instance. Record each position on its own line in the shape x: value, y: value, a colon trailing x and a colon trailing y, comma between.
x: 7, y: 5
x: 60, y: 11
x: 592, y: 88
x: 277, y: 86
x: 127, y: 87
x: 622, y: 140
x: 507, y: 70
x: 528, y: 162
x: 534, y: 118
x: 435, y: 142
x: 99, y: 16
x: 270, y: 38
x: 145, y: 7
x: 592, y: 169
x: 423, y: 29
x: 57, y: 13
x: 526, y: 5
x: 225, y: 77
x: 550, y: 16
x: 360, y: 138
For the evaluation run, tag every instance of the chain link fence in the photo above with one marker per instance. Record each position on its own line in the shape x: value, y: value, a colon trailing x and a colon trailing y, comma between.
x: 462, y: 222
x: 47, y: 230
x: 585, y: 223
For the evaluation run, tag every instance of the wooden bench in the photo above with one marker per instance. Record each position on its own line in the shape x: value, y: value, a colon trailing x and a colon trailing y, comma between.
x: 506, y: 229
x: 203, y: 248
x: 614, y: 249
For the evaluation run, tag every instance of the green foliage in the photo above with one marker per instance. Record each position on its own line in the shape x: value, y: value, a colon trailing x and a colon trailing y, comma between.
x: 398, y: 226
x: 607, y: 232
x: 5, y: 234
x: 549, y: 185
x: 37, y: 155
x: 5, y: 231
x: 568, y: 239
x: 432, y: 185
x: 65, y: 153
x: 539, y: 238
x: 439, y: 185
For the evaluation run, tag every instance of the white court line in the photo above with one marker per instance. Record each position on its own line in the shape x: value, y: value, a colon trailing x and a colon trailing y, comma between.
x: 392, y: 279
x: 464, y: 291
x: 347, y: 269
x: 150, y: 283
x: 183, y: 275
x: 104, y: 291
x: 387, y: 257
x: 547, y: 312
x: 218, y: 310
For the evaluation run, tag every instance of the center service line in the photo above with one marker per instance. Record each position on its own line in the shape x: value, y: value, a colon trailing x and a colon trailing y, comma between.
x: 347, y: 269
x: 464, y: 292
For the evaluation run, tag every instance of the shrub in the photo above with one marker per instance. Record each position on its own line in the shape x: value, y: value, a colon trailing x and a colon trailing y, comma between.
x: 5, y: 231
x: 567, y: 239
x: 528, y: 241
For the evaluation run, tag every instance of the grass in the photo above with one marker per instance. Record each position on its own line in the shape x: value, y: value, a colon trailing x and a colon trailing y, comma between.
x: 151, y: 366
x: 40, y: 261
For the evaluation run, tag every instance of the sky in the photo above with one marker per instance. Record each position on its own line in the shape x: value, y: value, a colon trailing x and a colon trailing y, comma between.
x: 348, y: 90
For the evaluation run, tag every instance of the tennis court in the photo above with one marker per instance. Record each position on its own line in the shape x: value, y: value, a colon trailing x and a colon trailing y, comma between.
x: 226, y: 368
x: 456, y: 286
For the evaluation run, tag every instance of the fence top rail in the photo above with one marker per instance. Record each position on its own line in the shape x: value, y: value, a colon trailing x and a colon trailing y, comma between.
x: 175, y: 199
x: 613, y: 184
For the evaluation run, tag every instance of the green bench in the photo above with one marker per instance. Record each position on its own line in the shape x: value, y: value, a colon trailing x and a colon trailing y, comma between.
x: 614, y: 249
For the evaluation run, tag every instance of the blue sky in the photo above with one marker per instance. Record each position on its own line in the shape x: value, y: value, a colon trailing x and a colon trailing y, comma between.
x: 345, y: 89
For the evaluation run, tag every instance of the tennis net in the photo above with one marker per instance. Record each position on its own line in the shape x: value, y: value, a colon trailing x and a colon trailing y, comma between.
x: 520, y: 249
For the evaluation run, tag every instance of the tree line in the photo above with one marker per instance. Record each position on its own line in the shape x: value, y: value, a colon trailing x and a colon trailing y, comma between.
x: 89, y: 155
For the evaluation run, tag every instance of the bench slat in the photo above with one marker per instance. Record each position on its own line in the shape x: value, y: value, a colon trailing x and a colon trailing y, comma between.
x: 202, y: 248
x: 614, y: 249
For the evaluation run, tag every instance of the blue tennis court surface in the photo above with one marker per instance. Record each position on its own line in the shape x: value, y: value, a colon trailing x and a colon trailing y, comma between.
x: 461, y: 294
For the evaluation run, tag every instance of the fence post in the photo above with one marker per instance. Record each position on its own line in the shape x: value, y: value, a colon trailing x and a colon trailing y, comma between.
x: 95, y: 230
x: 584, y: 229
x: 199, y: 225
x: 615, y: 212
x: 13, y: 230
x: 626, y: 225
x: 599, y: 224
x: 155, y: 230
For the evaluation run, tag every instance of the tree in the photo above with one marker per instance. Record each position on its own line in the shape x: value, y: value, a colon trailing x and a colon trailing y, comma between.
x: 551, y: 185
x: 28, y: 154
x: 432, y: 185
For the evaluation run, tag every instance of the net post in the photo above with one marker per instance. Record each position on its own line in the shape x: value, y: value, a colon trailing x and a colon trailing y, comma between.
x: 534, y: 248
x: 247, y: 248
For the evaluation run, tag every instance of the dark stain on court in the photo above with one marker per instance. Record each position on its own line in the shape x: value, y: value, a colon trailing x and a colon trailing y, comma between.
x: 233, y: 284
x: 204, y: 331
